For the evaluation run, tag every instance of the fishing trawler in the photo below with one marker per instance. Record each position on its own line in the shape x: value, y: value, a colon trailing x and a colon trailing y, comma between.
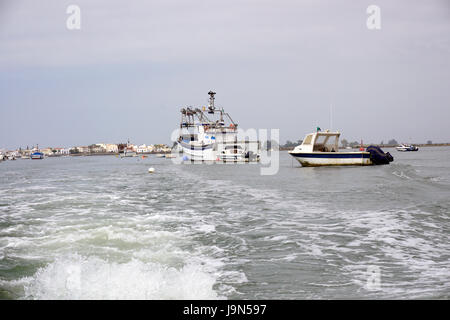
x: 210, y: 134
x: 322, y: 149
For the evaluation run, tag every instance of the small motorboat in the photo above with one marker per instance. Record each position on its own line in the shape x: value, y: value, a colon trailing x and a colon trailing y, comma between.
x: 406, y: 147
x: 37, y: 155
x: 322, y: 149
x: 169, y: 156
x: 233, y: 152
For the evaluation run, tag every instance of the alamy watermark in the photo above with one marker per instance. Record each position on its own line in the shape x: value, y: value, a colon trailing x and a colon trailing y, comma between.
x: 73, y: 22
x: 374, y: 19
x: 373, y: 278
x: 248, y: 146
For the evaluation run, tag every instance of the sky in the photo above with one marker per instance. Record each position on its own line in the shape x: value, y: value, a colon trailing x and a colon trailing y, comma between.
x: 287, y: 65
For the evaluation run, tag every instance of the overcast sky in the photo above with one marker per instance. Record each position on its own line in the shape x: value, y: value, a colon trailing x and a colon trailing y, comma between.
x: 274, y: 64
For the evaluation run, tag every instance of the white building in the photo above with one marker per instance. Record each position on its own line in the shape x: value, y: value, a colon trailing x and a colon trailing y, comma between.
x: 144, y: 149
x: 113, y: 148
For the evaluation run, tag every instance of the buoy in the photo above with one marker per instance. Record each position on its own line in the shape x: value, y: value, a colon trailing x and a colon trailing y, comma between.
x: 151, y: 170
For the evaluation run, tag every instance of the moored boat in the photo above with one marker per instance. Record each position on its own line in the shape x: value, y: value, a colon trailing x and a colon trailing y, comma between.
x: 406, y: 147
x: 322, y: 149
x: 209, y: 134
x: 37, y: 155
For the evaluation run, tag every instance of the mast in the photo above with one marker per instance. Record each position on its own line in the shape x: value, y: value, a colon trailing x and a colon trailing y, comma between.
x: 211, y: 107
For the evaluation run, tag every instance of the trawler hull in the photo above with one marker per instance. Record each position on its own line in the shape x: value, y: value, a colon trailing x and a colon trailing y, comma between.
x: 198, y: 152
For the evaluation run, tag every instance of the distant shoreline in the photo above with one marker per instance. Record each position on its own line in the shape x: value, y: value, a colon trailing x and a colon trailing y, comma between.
x: 99, y: 154
x: 385, y: 146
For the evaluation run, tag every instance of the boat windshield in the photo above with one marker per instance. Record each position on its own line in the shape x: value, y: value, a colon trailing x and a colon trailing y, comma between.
x: 308, y: 139
x: 326, y: 143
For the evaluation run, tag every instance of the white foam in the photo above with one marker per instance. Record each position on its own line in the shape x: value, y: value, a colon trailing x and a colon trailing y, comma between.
x: 206, y: 228
x: 77, y: 277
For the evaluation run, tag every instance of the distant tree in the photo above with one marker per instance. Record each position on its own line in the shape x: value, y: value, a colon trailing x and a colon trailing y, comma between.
x: 354, y: 144
x: 271, y: 145
x: 274, y: 145
x: 344, y: 143
x: 290, y: 144
x: 392, y: 142
x: 382, y: 142
x: 429, y: 142
x: 74, y: 151
x: 268, y: 145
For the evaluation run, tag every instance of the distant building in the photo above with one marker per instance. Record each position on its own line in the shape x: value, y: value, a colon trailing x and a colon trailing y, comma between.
x: 60, y: 151
x: 96, y: 148
x: 162, y: 148
x: 47, y: 151
x: 144, y: 149
x: 25, y: 152
x: 83, y: 149
x: 113, y: 148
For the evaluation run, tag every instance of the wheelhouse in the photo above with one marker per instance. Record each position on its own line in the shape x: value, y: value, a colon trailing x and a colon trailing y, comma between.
x: 321, y: 142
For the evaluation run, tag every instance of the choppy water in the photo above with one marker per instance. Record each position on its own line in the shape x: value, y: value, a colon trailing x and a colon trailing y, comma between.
x: 103, y: 228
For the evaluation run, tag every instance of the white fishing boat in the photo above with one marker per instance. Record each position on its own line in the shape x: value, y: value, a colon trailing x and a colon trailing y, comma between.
x: 209, y: 134
x: 406, y: 147
x: 322, y: 149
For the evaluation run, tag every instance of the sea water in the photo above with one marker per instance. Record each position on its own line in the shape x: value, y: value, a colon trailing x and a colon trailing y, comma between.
x: 102, y: 227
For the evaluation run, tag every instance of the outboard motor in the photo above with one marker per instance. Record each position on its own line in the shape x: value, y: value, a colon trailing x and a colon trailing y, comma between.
x: 377, y: 156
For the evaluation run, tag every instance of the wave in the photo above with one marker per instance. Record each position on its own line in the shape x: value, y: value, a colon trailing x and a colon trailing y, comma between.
x: 79, y: 277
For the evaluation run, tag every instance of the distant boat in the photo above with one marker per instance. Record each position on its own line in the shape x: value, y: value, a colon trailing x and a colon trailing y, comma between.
x: 128, y: 151
x: 169, y: 155
x: 322, y: 149
x: 232, y: 152
x: 37, y: 155
x: 406, y: 147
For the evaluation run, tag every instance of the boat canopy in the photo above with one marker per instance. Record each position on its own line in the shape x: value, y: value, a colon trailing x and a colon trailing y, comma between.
x: 321, y: 142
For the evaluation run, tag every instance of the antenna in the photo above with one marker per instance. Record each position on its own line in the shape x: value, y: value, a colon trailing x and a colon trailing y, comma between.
x: 331, y: 116
x: 211, y: 102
